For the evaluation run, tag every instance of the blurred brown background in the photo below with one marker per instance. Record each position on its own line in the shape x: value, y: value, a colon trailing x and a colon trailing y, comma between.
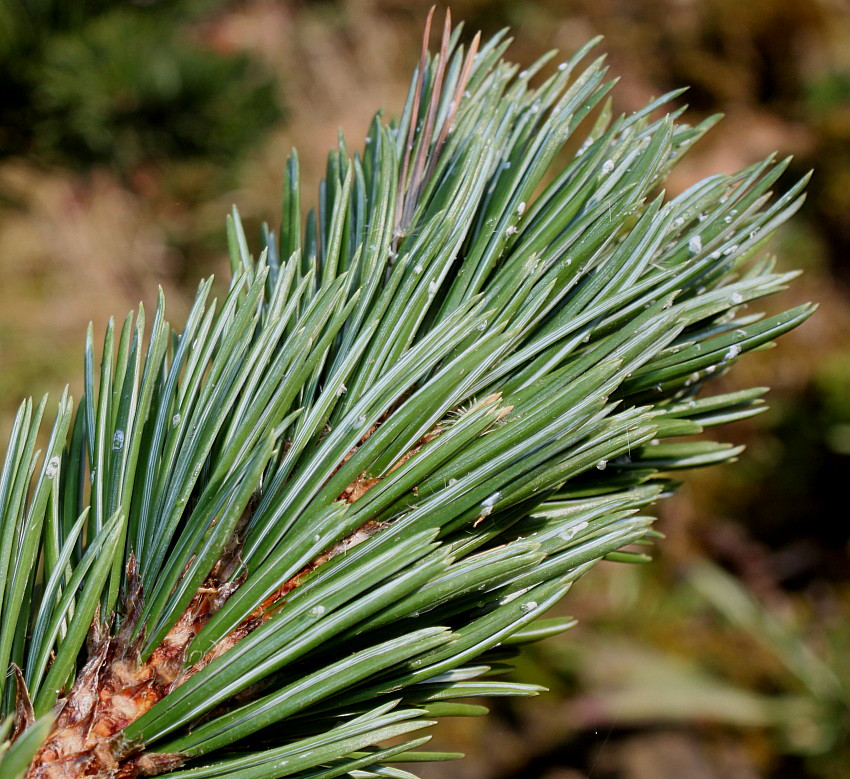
x: 128, y: 129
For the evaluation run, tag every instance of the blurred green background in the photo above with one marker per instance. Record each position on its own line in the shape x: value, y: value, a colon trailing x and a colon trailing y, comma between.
x: 127, y: 129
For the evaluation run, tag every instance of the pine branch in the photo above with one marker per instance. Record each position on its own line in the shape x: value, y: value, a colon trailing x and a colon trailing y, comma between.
x: 323, y: 512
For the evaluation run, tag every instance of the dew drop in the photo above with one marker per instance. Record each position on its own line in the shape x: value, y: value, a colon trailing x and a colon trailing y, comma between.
x: 601, y: 465
x: 491, y: 500
x: 417, y: 269
x: 562, y: 67
x: 608, y: 166
x: 318, y: 611
x: 737, y: 297
x: 52, y: 467
x: 432, y: 288
x: 571, y: 532
x: 733, y: 352
x: 175, y: 420
x: 520, y: 209
x: 511, y: 229
x: 695, y: 244
x: 118, y: 440
x: 530, y: 606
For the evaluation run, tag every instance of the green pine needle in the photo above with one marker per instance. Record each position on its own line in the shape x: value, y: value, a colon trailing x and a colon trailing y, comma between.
x: 327, y: 509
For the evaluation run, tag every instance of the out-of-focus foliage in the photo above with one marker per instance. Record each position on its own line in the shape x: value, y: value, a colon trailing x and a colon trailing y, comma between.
x: 798, y: 699
x: 120, y: 124
x: 119, y: 83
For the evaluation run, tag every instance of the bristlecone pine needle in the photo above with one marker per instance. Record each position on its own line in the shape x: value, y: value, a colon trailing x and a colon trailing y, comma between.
x: 283, y: 540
